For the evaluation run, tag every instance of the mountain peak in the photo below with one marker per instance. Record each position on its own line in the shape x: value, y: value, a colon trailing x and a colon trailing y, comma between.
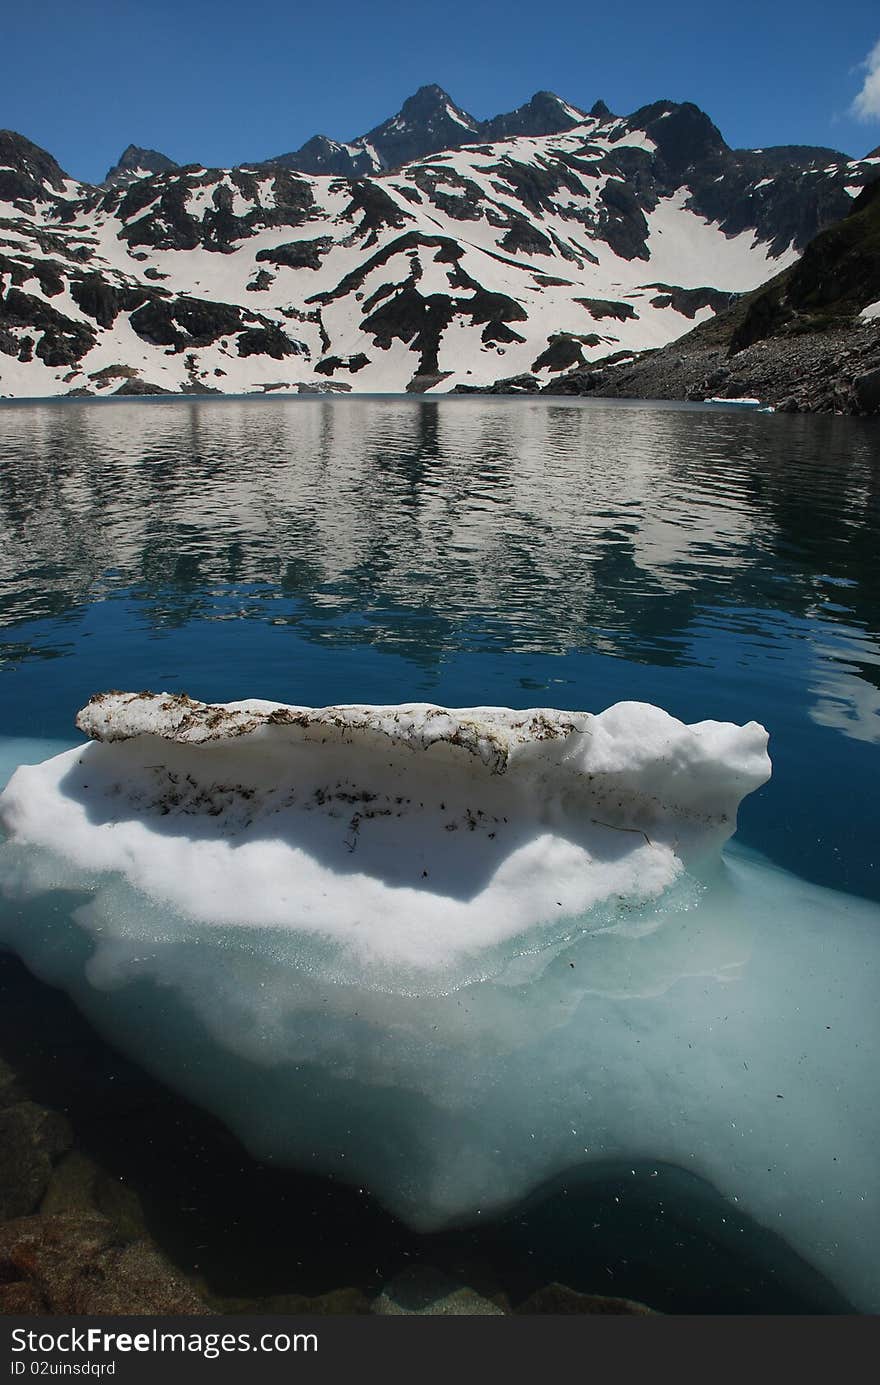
x: 432, y: 102
x: 683, y: 133
x: 134, y: 162
x: 430, y: 95
x: 544, y: 114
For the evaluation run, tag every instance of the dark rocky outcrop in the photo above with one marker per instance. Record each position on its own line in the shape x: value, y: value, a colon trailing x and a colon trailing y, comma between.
x: 684, y: 135
x: 524, y: 238
x: 63, y: 341
x: 563, y: 352
x: 27, y: 172
x: 104, y: 301
x: 545, y: 114
x: 330, y: 364
x: 688, y: 302
x: 599, y: 308
x: 838, y: 275
x: 622, y: 221
x: 136, y: 386
x: 185, y: 321
x: 261, y: 281
x: 134, y: 162
x: 322, y: 155
x: 268, y: 339
x: 373, y: 208
x: 297, y: 254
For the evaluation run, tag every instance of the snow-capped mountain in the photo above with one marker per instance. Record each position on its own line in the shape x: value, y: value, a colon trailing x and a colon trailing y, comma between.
x: 476, y: 261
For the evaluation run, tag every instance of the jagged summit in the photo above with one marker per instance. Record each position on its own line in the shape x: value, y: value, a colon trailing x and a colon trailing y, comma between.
x: 545, y: 114
x: 683, y: 134
x: 135, y: 162
x: 428, y: 122
x: 430, y: 102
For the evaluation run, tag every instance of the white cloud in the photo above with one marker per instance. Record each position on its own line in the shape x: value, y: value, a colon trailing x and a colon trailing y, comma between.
x: 867, y: 103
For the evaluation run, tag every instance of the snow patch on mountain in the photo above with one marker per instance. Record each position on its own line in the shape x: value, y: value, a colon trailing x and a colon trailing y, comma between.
x: 533, y: 252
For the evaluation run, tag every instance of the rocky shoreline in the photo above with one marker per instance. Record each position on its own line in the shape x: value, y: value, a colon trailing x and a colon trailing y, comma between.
x: 837, y: 371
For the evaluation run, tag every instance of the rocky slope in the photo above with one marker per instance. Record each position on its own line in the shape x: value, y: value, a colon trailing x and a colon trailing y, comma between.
x: 809, y: 340
x: 502, y: 252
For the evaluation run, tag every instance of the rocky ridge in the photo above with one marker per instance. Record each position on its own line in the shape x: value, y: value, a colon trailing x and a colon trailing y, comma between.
x: 427, y: 122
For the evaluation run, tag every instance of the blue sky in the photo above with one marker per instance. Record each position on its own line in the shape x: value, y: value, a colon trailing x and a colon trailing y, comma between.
x: 223, y: 82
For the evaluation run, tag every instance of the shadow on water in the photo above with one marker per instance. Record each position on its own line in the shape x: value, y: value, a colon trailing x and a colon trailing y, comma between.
x: 245, y: 1230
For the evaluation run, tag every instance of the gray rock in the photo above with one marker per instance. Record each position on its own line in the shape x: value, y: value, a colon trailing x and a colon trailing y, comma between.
x: 867, y: 390
x: 348, y: 1302
x: 77, y: 1264
x: 78, y: 1184
x: 560, y: 1299
x: 429, y: 1292
x: 140, y: 387
x: 31, y: 1140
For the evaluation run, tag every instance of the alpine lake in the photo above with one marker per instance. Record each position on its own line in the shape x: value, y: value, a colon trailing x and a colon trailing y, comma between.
x: 720, y: 562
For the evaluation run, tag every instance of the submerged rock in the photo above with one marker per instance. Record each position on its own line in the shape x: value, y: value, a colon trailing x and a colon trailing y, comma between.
x: 560, y: 1299
x: 348, y: 1301
x: 428, y: 1292
x: 76, y: 1263
x: 31, y: 1139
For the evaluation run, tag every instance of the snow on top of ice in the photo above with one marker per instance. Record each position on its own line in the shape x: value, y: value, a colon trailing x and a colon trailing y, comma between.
x: 410, y: 833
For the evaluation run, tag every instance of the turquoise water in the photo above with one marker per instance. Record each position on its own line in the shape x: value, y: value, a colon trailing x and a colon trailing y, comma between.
x: 468, y: 551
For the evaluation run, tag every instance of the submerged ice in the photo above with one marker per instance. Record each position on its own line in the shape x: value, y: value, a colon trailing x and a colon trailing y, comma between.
x: 448, y: 954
